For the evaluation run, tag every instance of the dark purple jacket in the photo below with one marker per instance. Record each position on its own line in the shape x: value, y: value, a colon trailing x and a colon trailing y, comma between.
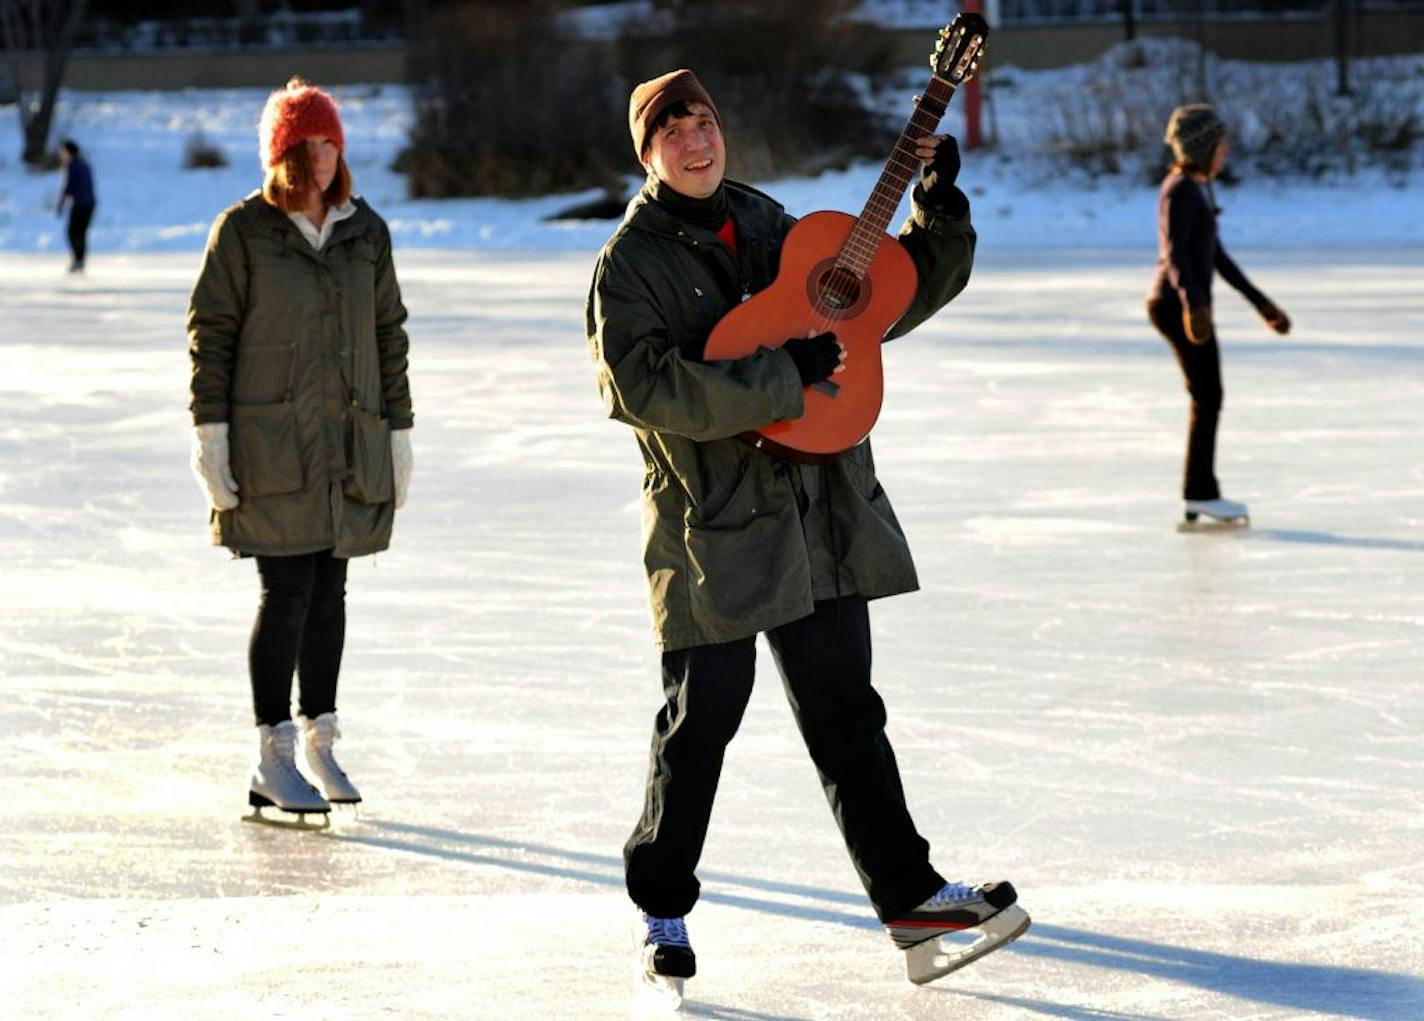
x: 78, y: 183
x: 1188, y: 248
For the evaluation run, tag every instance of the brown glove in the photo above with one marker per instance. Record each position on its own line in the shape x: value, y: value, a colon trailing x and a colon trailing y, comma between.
x: 1197, y: 322
x: 1275, y: 318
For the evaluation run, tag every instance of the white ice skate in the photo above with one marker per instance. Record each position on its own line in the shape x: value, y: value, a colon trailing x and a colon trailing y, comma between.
x: 1214, y: 515
x: 989, y: 912
x: 318, y: 735
x: 277, y: 784
x: 665, y: 961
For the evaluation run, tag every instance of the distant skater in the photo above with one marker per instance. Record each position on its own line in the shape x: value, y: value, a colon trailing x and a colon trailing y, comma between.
x: 302, y: 418
x: 78, y: 193
x: 1179, y: 306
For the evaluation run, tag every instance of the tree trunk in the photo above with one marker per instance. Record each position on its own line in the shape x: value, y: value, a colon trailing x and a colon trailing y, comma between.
x: 1342, y: 47
x: 249, y: 16
x: 54, y: 35
x: 1129, y: 25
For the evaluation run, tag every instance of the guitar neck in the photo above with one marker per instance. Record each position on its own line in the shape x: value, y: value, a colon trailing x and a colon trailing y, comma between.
x: 860, y: 247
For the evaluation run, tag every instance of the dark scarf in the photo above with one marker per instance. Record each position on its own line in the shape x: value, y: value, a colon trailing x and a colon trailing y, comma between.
x: 709, y: 213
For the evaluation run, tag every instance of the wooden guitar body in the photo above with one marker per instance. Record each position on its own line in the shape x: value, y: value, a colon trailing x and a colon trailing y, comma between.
x: 844, y: 275
x: 810, y: 295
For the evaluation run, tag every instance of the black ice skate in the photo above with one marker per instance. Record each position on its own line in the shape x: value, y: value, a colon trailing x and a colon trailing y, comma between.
x: 665, y: 959
x: 1214, y: 515
x: 990, y: 909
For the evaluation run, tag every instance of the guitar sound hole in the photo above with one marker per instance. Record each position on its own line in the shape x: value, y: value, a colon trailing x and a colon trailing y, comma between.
x: 839, y: 289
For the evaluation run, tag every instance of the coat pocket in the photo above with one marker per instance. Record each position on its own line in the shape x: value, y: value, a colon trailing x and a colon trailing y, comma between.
x: 738, y: 574
x: 372, y: 477
x: 266, y: 459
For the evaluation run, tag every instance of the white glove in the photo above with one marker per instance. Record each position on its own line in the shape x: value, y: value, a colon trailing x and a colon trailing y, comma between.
x: 402, y: 461
x: 210, y: 463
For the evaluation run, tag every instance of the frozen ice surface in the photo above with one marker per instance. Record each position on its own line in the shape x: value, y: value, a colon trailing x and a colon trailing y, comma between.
x: 1198, y: 757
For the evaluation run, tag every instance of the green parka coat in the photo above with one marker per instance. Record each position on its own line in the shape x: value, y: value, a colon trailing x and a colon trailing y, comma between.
x: 303, y: 353
x: 737, y: 541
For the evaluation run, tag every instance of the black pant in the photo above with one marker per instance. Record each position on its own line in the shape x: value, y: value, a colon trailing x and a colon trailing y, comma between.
x: 824, y: 661
x: 79, y: 217
x: 1201, y: 369
x: 301, y: 624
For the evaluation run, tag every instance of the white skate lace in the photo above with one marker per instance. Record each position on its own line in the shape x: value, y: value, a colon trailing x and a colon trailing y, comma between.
x: 952, y: 893
x: 667, y: 932
x: 322, y: 731
x: 284, y: 743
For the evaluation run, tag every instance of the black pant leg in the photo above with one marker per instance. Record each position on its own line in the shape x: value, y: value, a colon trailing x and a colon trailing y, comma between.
x: 825, y: 666
x: 79, y: 217
x: 706, y: 689
x: 1201, y: 369
x: 323, y: 636
x: 277, y: 633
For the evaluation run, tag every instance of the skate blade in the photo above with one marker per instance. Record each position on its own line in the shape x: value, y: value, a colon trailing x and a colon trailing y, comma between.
x: 934, y: 959
x: 1204, y: 524
x: 661, y: 994
x: 289, y: 820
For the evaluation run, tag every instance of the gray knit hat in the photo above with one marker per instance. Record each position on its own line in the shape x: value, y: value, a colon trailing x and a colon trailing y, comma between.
x: 1192, y: 132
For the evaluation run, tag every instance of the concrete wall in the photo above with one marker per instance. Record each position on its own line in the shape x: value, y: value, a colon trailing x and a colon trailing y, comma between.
x: 223, y: 68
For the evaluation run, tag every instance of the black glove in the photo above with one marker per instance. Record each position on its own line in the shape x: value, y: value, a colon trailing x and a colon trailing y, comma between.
x: 815, y: 357
x: 940, y: 173
x: 937, y: 181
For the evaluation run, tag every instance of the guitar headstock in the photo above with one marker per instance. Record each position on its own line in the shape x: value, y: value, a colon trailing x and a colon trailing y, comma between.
x: 961, y: 45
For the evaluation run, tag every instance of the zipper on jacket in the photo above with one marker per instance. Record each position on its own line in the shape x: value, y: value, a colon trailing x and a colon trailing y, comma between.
x: 291, y: 374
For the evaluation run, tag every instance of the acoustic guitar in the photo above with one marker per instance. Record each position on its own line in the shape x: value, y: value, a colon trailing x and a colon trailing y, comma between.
x: 846, y: 275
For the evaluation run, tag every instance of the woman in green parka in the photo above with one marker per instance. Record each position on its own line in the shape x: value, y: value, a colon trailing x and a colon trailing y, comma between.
x: 738, y: 543
x: 302, y: 417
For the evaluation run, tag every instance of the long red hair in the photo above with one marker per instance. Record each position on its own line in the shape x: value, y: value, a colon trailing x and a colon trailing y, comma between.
x: 291, y: 180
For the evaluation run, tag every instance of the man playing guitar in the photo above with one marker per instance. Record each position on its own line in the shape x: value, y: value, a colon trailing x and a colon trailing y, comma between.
x: 740, y: 542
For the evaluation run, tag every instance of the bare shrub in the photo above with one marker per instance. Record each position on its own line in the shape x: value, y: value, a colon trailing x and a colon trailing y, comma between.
x: 200, y: 154
x: 1283, y: 119
x: 1111, y: 119
x: 509, y: 104
x: 782, y: 74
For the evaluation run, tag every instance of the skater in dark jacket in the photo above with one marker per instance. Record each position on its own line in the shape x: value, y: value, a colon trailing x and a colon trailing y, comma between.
x: 78, y: 192
x: 302, y: 418
x: 1180, y: 303
x: 739, y: 543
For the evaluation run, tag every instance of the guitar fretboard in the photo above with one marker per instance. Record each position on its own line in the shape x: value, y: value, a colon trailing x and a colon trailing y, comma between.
x: 860, y: 247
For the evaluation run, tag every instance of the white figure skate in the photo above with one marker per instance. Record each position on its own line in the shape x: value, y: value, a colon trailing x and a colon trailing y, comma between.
x: 1214, y: 515
x: 277, y: 784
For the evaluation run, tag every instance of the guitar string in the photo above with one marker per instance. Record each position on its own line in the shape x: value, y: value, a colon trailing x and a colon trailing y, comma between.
x: 842, y: 282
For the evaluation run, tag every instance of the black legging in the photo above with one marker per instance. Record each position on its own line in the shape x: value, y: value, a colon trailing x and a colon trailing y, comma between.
x: 79, y: 217
x: 825, y: 667
x: 1201, y: 370
x: 301, y: 624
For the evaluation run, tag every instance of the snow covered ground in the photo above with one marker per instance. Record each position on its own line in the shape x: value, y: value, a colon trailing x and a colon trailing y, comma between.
x: 1199, y: 757
x: 1023, y: 194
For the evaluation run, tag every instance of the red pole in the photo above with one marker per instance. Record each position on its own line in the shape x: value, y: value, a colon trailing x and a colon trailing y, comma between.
x: 973, y: 135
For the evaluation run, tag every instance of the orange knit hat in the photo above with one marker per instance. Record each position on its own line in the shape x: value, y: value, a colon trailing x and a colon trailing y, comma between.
x: 293, y: 114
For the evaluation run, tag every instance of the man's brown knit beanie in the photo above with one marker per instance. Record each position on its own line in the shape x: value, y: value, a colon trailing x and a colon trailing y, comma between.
x: 1192, y: 132
x: 653, y: 97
